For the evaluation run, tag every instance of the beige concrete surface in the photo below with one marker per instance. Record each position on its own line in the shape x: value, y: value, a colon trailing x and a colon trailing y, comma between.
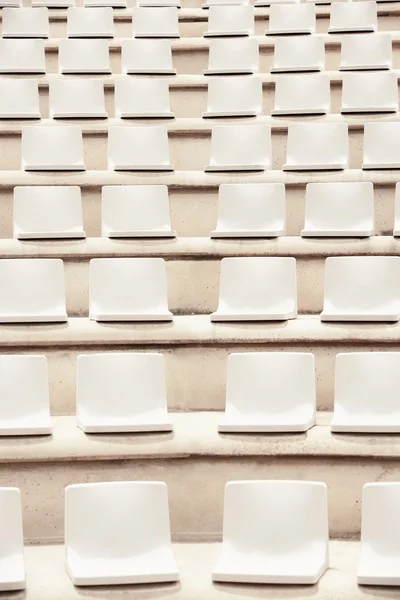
x: 47, y: 579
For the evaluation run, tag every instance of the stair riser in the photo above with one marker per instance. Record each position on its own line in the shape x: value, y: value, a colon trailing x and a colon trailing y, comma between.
x: 194, y: 211
x: 195, y: 375
x: 194, y: 61
x: 194, y: 515
x: 187, y: 152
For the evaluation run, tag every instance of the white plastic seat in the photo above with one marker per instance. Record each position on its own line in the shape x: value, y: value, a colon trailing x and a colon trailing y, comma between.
x: 25, y: 23
x: 147, y: 57
x: 48, y: 212
x: 396, y: 230
x: 121, y: 392
x: 138, y: 149
x: 142, y: 98
x: 380, y: 527
x: 366, y: 393
x: 302, y: 95
x: 317, y: 146
x: 33, y: 290
x: 128, y: 289
x: 19, y: 99
x: 240, y: 148
x: 90, y: 22
x: 372, y: 51
x: 362, y: 288
x: 302, y: 54
x: 291, y: 18
x: 118, y: 533
x: 158, y: 3
x: 274, y: 532
x: 381, y: 146
x: 159, y: 22
x: 209, y: 3
x: 24, y: 396
x: 257, y: 289
x: 269, y: 392
x: 12, y: 568
x: 83, y: 56
x: 339, y: 210
x: 349, y: 17
x: 234, y: 97
x: 369, y: 92
x: 261, y: 3
x: 230, y: 21
x: 53, y: 3
x: 77, y: 98
x: 53, y: 148
x: 250, y: 210
x: 101, y: 3
x: 232, y: 56
x: 135, y: 211
x: 10, y: 3
x: 22, y: 56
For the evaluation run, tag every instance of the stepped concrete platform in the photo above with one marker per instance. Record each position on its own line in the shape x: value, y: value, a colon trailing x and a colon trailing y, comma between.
x: 47, y: 579
x: 195, y: 350
x: 41, y: 466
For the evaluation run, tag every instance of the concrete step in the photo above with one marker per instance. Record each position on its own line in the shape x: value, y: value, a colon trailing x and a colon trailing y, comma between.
x: 193, y: 19
x: 188, y: 98
x: 190, y: 55
x: 193, y: 266
x: 189, y: 142
x: 47, y: 579
x: 195, y: 350
x: 42, y: 466
x: 193, y: 196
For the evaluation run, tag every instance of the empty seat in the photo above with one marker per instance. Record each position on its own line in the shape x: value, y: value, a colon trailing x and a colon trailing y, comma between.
x: 10, y: 3
x: 362, y: 288
x: 99, y: 3
x: 19, y: 99
x: 47, y: 212
x: 250, y: 210
x: 233, y: 56
x: 157, y: 3
x: 230, y: 20
x: 291, y: 18
x: 257, y: 289
x: 234, y: 97
x: 396, y: 230
x: 381, y: 146
x: 55, y: 148
x: 379, y: 557
x: 12, y: 569
x: 274, y: 532
x: 366, y: 52
x: 366, y: 393
x: 147, y: 57
x: 25, y: 23
x: 135, y: 211
x: 77, y: 98
x: 339, y: 210
x: 121, y: 392
x: 90, y: 22
x: 369, y: 92
x: 269, y: 392
x: 118, y: 533
x: 83, y: 56
x: 298, y: 54
x: 260, y: 3
x: 53, y: 3
x: 138, y: 149
x: 128, y: 289
x: 142, y: 98
x: 209, y: 3
x: 240, y: 148
x: 22, y: 56
x: 155, y: 22
x: 24, y: 396
x: 33, y: 290
x: 302, y: 95
x: 317, y: 146
x: 348, y: 17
